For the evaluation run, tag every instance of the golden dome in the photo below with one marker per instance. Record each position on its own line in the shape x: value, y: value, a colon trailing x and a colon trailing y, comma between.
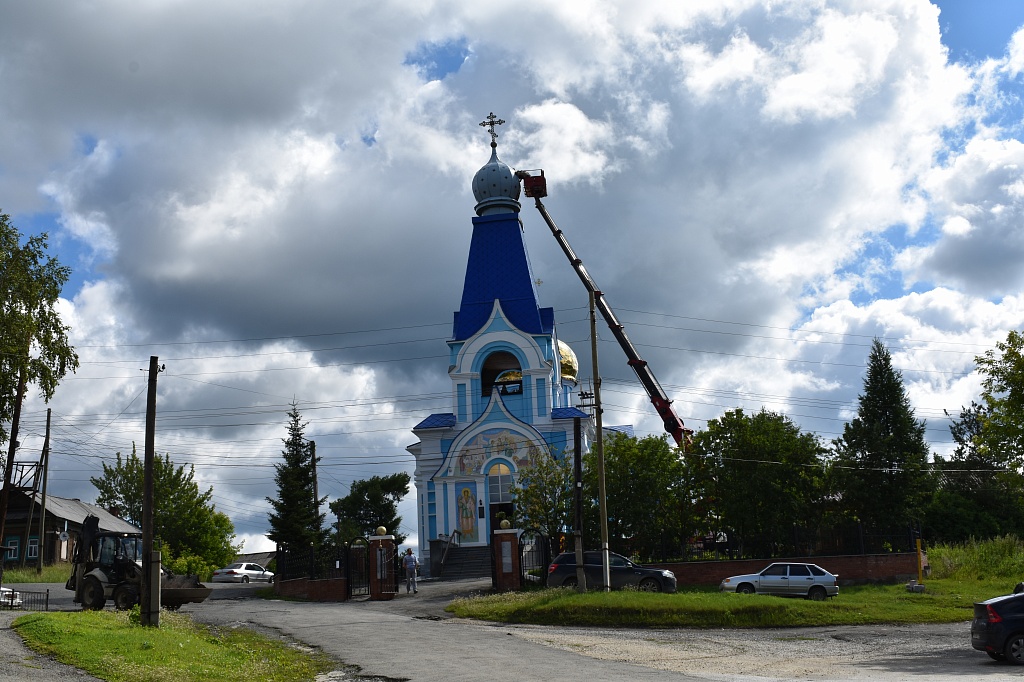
x: 570, y: 365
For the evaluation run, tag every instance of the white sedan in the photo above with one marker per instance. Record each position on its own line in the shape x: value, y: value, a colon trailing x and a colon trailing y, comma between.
x: 242, y: 572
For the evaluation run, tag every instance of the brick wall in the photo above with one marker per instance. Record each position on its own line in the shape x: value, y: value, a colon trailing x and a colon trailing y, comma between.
x: 851, y: 569
x: 330, y: 589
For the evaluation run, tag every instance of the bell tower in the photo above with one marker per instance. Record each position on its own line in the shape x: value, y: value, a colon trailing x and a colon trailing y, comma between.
x: 513, y: 381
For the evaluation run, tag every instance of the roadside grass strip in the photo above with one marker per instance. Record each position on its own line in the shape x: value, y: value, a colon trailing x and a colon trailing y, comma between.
x: 108, y: 645
x: 944, y: 601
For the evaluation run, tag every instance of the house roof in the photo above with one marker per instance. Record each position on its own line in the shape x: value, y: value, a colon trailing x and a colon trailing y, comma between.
x: 76, y: 511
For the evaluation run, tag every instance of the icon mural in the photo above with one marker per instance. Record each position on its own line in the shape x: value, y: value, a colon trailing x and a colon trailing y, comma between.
x: 466, y: 504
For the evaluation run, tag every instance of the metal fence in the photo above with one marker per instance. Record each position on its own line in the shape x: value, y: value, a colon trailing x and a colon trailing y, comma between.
x: 20, y: 600
x: 847, y: 539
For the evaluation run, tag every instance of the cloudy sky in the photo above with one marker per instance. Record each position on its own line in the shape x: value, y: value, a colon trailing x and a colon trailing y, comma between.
x: 274, y: 199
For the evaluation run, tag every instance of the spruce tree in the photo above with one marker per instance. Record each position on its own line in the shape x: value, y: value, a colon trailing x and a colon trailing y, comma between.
x: 882, y: 457
x: 296, y: 523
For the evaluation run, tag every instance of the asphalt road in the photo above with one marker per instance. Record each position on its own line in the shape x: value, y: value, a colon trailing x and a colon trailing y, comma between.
x: 412, y: 638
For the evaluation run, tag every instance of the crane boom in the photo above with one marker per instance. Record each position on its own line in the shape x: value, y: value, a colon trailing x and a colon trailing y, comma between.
x: 535, y: 187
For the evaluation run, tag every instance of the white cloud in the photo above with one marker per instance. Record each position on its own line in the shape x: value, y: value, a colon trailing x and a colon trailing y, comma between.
x: 278, y: 205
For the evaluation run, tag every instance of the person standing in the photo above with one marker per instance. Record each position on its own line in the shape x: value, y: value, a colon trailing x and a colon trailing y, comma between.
x: 410, y: 563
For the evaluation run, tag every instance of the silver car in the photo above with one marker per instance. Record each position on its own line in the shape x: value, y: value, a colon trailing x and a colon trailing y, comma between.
x: 241, y: 572
x: 786, y: 580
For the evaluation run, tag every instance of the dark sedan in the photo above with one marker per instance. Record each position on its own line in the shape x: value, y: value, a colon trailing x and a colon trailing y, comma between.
x: 998, y: 628
x: 623, y: 573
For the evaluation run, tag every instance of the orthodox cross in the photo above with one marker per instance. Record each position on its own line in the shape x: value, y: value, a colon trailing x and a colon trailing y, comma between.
x: 490, y: 122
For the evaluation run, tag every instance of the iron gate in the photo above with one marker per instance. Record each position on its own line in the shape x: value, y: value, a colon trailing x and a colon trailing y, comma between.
x: 357, y: 567
x: 534, y: 559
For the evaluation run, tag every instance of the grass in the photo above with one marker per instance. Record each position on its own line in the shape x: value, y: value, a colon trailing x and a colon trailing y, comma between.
x: 110, y: 646
x: 944, y: 601
x: 57, y: 573
x: 1001, y: 557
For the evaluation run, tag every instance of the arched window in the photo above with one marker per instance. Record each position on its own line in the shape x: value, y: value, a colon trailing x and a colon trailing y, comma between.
x: 499, y: 480
x: 501, y: 369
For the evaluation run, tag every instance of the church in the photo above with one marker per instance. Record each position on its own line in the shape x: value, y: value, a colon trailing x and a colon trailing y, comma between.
x: 514, y: 382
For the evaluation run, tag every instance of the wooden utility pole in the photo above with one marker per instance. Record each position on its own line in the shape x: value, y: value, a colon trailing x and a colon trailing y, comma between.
x: 42, y: 512
x: 316, y: 484
x: 599, y: 445
x: 149, y: 589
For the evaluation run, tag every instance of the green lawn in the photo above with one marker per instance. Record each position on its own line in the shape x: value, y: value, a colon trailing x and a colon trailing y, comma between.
x: 110, y: 646
x: 944, y: 601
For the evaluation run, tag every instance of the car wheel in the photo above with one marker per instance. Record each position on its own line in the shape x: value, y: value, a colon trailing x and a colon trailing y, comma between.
x: 125, y: 598
x: 245, y: 578
x: 649, y: 585
x: 92, y: 594
x: 817, y: 593
x: 570, y: 582
x: 1014, y: 649
x: 995, y: 656
x: 745, y: 588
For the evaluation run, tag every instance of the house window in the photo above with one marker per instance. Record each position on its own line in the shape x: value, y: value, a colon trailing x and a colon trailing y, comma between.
x: 499, y: 480
x: 32, y: 551
x: 13, y: 544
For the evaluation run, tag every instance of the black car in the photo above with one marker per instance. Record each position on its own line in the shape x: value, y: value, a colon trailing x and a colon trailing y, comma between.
x: 623, y: 573
x: 998, y: 628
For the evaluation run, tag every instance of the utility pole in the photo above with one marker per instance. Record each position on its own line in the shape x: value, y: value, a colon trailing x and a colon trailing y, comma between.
x: 42, y: 512
x: 577, y: 501
x: 599, y: 444
x: 316, y: 484
x: 149, y: 597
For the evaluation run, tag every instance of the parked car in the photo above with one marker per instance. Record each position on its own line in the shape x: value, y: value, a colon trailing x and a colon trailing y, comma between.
x: 241, y: 573
x: 9, y: 599
x: 622, y: 571
x: 998, y: 628
x: 786, y: 580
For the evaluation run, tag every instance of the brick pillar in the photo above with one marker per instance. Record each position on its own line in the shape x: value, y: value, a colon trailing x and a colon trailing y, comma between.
x: 382, y: 567
x: 505, y: 546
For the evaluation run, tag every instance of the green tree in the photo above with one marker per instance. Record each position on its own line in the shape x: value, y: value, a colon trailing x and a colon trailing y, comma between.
x: 766, y: 480
x: 370, y: 504
x: 185, y: 520
x: 881, y: 460
x: 34, y: 346
x: 542, y: 495
x: 647, y: 498
x: 1003, y: 399
x: 296, y: 522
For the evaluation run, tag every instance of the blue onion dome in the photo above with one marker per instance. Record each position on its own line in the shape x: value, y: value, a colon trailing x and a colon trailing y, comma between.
x: 495, y: 186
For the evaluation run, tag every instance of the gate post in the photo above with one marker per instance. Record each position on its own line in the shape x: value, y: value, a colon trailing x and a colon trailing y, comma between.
x: 382, y: 566
x: 505, y: 546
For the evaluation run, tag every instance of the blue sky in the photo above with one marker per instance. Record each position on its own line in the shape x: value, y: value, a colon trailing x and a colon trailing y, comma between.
x: 978, y: 29
x: 277, y: 205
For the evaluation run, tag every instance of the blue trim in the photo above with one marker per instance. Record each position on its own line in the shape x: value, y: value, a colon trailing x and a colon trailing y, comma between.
x: 460, y: 399
x: 542, y: 396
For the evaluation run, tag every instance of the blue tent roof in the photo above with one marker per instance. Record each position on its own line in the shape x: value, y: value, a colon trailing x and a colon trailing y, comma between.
x: 499, y: 268
x: 437, y: 421
x: 568, y: 413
